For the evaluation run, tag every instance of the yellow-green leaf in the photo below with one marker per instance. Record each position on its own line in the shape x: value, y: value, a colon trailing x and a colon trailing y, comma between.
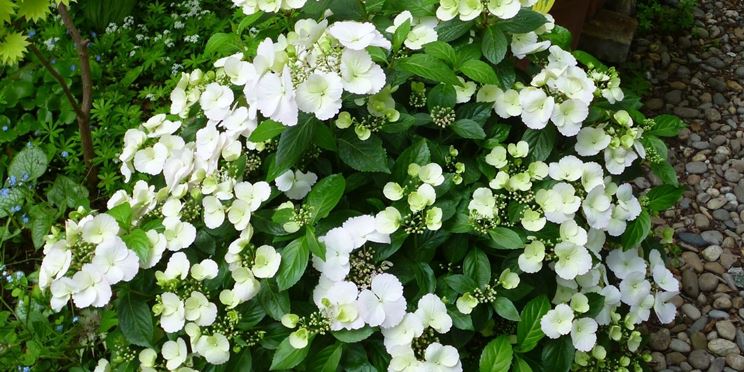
x: 7, y: 10
x: 12, y: 48
x: 33, y: 10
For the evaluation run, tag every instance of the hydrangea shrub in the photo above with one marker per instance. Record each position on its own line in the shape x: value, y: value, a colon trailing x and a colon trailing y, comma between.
x: 381, y: 185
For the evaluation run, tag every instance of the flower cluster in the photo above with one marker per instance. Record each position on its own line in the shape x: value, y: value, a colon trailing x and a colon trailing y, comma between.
x: 439, y: 229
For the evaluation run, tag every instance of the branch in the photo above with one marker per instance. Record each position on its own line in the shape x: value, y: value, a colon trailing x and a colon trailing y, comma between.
x: 86, y: 140
x: 61, y: 80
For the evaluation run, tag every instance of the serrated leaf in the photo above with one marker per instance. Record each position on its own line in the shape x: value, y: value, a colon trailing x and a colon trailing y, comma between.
x: 525, y: 21
x: 138, y: 242
x: 479, y: 71
x: 7, y: 10
x: 325, y: 195
x: 42, y: 219
x: 312, y: 243
x: 12, y: 48
x: 28, y: 165
x: 353, y: 336
x: 497, y: 355
x: 541, y: 142
x: 477, y: 266
x: 441, y: 50
x: 292, y: 144
x: 494, y: 45
x: 663, y: 197
x: 267, y: 130
x: 400, y: 34
x: 287, y: 357
x: 666, y: 126
x: 452, y: 29
x: 506, y: 309
x: 66, y: 193
x: 33, y: 10
x: 247, y: 21
x: 364, y: 156
x: 529, y: 332
x: 295, y: 257
x: 222, y: 44
x: 135, y: 320
x: 467, y: 128
x: 428, y: 67
x: 559, y: 354
x: 505, y: 238
x: 636, y: 231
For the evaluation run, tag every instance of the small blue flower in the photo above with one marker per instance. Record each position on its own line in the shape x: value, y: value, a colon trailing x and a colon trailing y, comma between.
x: 75, y: 319
x: 24, y: 218
x: 65, y: 154
x: 26, y: 369
x: 53, y: 61
x: 14, y: 209
x: 93, y: 34
x: 24, y: 177
x: 29, y: 144
x: 31, y: 33
x: 98, y: 57
x: 12, y: 181
x: 5, y: 128
x: 19, y: 274
x: 73, y: 67
x: 4, y: 192
x: 59, y: 328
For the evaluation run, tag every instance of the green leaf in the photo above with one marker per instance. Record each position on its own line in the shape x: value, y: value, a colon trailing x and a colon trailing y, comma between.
x: 312, y: 244
x: 267, y: 130
x: 442, y: 95
x: 588, y: 60
x: 66, y: 193
x: 243, y: 362
x: 353, y: 336
x: 467, y: 128
x: 292, y: 144
x: 364, y: 156
x: 138, y: 242
x: 520, y: 365
x: 666, y: 126
x: 13, y: 199
x: 596, y: 304
x: 441, y: 50
x: 135, y: 320
x: 42, y: 219
x: 479, y: 71
x: 661, y: 198
x: 558, y: 354
x: 295, y: 257
x: 417, y: 153
x: 325, y: 195
x: 637, y: 231
x: 400, y: 34
x: 326, y: 360
x: 452, y: 29
x: 28, y: 165
x: 477, y: 266
x: 494, y: 45
x: 505, y: 238
x: 497, y: 355
x: 428, y: 67
x: 529, y: 332
x: 460, y: 283
x: 541, y: 142
x: 122, y: 213
x: 276, y: 304
x: 222, y: 44
x: 665, y: 172
x: 559, y: 36
x: 324, y: 137
x: 287, y: 357
x: 506, y: 309
x: 525, y: 21
x: 247, y: 21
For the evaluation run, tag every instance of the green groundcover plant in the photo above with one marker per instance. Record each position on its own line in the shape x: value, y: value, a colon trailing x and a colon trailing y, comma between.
x: 381, y: 185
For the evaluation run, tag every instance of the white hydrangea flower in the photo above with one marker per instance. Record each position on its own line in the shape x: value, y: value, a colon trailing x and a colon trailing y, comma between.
x: 295, y: 185
x: 558, y: 321
x: 592, y: 176
x: 266, y: 262
x: 99, y: 228
x: 383, y: 304
x: 205, y: 270
x: 504, y: 9
x: 174, y: 352
x: 665, y: 310
x: 114, y: 261
x: 339, y: 303
x: 56, y: 262
x: 483, y: 203
x: 216, y: 100
x: 403, y: 334
x: 359, y: 74
x: 569, y: 168
x: 447, y: 9
x: 584, y: 334
x: 623, y: 263
x: 214, y: 212
x: 393, y: 191
x: 497, y: 157
x: 524, y: 44
x: 358, y: 36
x: 277, y: 97
x: 199, y: 310
x: 172, y: 313
x: 618, y: 158
x: 90, y: 287
x: 597, y: 208
x: 62, y: 290
x: 635, y: 289
x: 530, y: 261
x: 536, y: 107
x: 572, y: 232
x: 433, y: 313
x: 506, y: 104
x: 362, y: 229
x: 320, y: 94
x: 568, y: 116
x: 590, y: 141
x: 178, y: 234
x: 469, y: 9
x: 573, y: 260
x: 339, y: 244
x: 214, y: 348
x: 444, y: 358
x: 431, y: 173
